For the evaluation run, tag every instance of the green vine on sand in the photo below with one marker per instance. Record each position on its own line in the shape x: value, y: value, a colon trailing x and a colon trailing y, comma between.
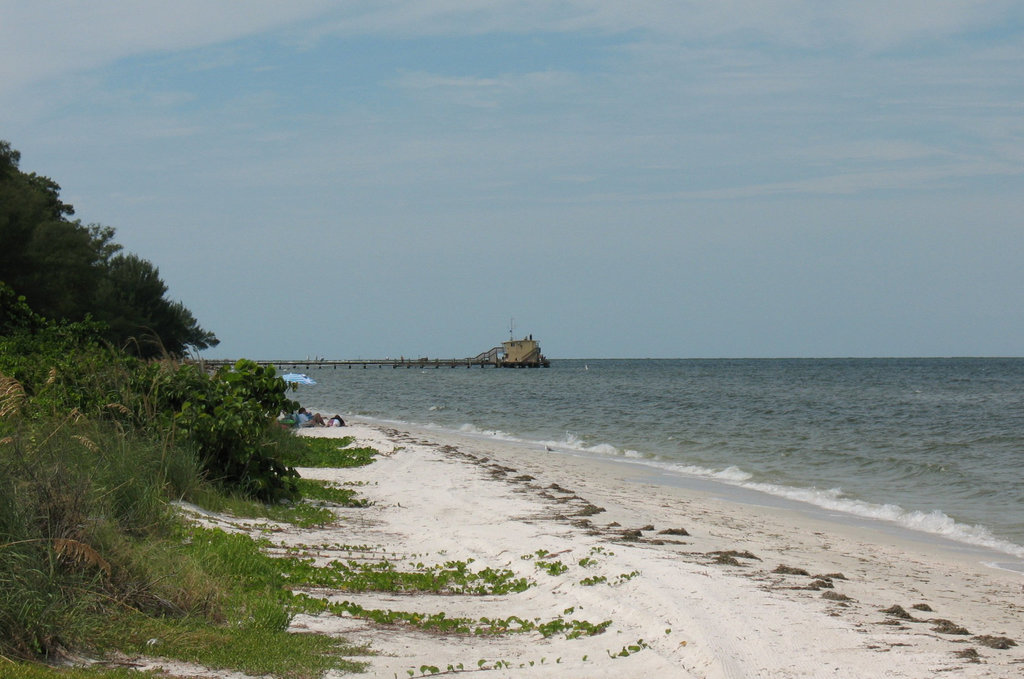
x: 441, y: 623
x: 629, y: 650
x: 452, y: 577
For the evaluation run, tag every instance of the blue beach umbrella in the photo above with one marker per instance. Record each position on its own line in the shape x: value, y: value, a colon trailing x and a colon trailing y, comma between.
x: 297, y: 378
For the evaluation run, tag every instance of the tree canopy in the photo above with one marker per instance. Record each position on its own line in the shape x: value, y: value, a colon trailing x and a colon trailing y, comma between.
x: 69, y: 271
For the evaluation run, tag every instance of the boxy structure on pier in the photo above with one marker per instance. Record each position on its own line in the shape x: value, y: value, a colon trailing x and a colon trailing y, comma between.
x: 524, y: 353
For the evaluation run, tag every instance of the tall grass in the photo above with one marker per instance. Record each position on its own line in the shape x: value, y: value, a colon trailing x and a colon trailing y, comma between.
x: 74, y: 498
x: 92, y: 560
x: 93, y: 447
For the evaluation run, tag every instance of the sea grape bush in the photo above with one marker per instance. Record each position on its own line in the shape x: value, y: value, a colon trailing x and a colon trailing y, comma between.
x: 228, y: 418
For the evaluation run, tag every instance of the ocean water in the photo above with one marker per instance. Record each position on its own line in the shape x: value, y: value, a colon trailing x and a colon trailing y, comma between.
x: 935, y: 445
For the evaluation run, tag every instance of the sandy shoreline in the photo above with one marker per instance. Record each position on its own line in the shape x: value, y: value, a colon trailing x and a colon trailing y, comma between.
x: 688, y: 583
x: 699, y: 610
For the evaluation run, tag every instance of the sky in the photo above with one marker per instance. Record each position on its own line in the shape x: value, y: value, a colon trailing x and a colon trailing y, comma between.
x: 683, y: 179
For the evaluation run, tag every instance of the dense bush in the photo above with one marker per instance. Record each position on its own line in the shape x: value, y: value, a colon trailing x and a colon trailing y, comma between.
x: 93, y: 444
x: 231, y: 418
x: 228, y: 420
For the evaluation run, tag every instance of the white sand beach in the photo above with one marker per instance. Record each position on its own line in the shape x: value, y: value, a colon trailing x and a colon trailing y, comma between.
x: 693, y: 584
x: 710, y: 603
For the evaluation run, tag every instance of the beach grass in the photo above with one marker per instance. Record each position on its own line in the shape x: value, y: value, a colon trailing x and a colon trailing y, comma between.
x: 301, y: 512
x: 257, y: 646
x: 311, y: 510
x: 94, y: 559
x: 323, y: 491
x: 327, y: 452
x: 225, y: 605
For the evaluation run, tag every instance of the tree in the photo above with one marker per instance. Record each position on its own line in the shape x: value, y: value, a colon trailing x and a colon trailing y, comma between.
x: 51, y: 260
x: 68, y: 271
x: 15, y: 314
x: 132, y: 302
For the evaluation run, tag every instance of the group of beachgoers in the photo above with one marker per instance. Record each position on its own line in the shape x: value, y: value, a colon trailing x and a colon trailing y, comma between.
x: 304, y: 418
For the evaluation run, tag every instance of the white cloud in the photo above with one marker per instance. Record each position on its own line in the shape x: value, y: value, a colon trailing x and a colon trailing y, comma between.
x: 868, y: 25
x: 46, y: 38
x: 422, y: 81
x: 504, y: 90
x: 883, y: 178
x: 869, y: 151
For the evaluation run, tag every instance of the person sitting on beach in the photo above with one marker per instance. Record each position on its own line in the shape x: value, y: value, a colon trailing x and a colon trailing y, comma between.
x: 336, y: 421
x: 306, y: 419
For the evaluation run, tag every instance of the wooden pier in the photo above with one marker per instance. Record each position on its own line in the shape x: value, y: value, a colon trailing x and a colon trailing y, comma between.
x: 306, y: 364
x: 524, y: 353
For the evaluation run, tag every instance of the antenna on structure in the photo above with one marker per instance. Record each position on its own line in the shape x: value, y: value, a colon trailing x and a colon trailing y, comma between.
x: 511, y: 328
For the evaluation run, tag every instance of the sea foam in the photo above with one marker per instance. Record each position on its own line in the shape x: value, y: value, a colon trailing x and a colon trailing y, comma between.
x: 833, y: 499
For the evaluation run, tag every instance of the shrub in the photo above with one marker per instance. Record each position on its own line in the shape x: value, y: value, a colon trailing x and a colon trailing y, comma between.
x: 93, y: 443
x: 230, y: 418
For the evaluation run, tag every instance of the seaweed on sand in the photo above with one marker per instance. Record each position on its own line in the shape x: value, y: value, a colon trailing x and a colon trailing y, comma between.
x: 731, y: 557
x: 790, y: 570
x: 898, y: 611
x: 1001, y: 643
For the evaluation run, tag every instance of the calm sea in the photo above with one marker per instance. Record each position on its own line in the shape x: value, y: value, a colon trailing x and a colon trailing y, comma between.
x: 932, y: 444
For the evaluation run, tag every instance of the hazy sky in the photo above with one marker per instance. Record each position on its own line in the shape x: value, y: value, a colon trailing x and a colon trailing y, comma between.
x: 625, y: 179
